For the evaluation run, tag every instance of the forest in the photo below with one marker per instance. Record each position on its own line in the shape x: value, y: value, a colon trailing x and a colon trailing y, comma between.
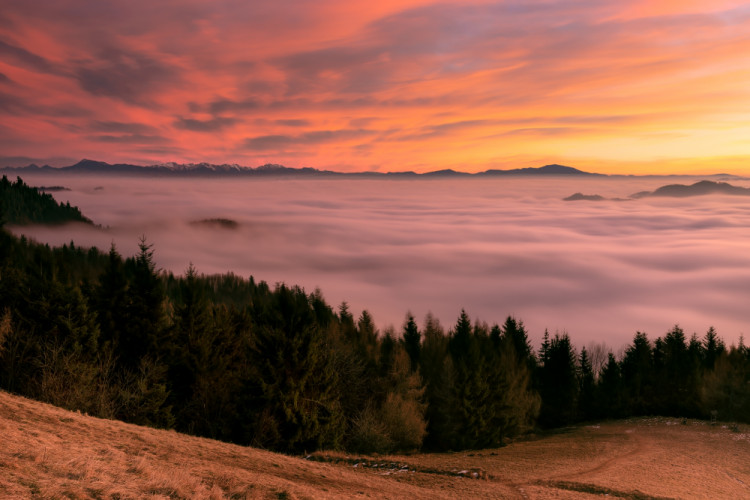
x: 23, y: 204
x: 277, y: 367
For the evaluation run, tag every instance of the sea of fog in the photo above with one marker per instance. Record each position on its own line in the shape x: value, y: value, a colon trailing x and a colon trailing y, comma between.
x: 496, y: 247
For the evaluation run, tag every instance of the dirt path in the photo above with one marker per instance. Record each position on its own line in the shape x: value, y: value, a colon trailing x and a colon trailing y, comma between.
x: 644, y: 459
x: 638, y: 447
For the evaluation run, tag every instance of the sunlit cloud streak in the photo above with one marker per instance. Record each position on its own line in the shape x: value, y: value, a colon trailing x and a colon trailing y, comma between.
x: 627, y: 86
x: 600, y: 271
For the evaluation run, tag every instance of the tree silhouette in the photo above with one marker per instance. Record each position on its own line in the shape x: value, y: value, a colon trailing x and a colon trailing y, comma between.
x: 412, y: 342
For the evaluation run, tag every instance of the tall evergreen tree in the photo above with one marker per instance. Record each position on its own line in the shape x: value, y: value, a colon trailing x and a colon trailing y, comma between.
x: 713, y: 347
x: 436, y: 368
x: 191, y: 346
x: 726, y: 388
x: 558, y: 383
x: 676, y: 381
x: 111, y: 299
x: 610, y: 390
x: 412, y: 341
x: 145, y: 313
x: 638, y: 375
x: 516, y: 401
x: 516, y: 333
x: 297, y: 380
x: 470, y: 385
x: 586, y: 386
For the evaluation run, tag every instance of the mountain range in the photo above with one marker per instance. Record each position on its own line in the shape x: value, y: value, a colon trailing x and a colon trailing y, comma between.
x: 208, y: 169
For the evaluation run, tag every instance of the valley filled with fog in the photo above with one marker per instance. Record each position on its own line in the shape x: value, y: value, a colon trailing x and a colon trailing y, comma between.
x: 600, y: 270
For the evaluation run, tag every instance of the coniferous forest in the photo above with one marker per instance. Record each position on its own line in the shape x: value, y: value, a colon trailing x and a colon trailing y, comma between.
x: 277, y: 367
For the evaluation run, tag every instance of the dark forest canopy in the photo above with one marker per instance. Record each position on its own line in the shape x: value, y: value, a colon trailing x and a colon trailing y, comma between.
x: 21, y: 204
x: 277, y: 367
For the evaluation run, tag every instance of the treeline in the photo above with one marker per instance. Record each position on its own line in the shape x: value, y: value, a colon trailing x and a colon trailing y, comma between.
x: 671, y: 376
x: 232, y: 359
x: 22, y: 204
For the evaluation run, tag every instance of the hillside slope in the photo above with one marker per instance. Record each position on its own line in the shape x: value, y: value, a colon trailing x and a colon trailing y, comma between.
x: 48, y: 452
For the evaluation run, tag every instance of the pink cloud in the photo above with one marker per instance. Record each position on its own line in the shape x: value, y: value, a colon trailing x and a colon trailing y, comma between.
x: 211, y: 79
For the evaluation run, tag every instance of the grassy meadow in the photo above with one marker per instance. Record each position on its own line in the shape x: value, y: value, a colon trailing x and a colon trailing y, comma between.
x: 47, y: 452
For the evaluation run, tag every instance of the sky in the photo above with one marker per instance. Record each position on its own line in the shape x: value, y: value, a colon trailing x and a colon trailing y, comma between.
x: 626, y: 86
x: 599, y: 271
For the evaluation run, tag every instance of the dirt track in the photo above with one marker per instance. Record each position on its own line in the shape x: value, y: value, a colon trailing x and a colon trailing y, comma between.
x: 650, y: 458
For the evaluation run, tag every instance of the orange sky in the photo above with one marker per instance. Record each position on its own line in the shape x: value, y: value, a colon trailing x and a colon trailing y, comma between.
x: 606, y: 86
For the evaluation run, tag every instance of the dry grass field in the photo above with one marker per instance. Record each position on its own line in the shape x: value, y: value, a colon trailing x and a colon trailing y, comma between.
x: 46, y: 452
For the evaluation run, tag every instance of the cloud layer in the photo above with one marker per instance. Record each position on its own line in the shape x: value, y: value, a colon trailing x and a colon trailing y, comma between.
x: 627, y: 86
x: 600, y: 271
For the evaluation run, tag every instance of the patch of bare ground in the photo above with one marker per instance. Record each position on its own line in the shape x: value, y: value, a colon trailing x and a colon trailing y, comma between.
x: 47, y: 452
x: 644, y: 458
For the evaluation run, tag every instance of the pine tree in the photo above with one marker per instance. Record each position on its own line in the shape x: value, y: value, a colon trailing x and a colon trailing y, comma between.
x: 191, y: 345
x: 111, y: 299
x: 544, y: 349
x: 412, y: 342
x: 297, y: 380
x: 558, y: 382
x: 726, y: 388
x: 516, y: 332
x: 470, y: 385
x: 610, y: 390
x: 387, y: 353
x: 713, y: 347
x: 145, y: 314
x: 586, y: 387
x: 676, y: 379
x: 436, y: 368
x: 638, y: 374
x: 517, y: 403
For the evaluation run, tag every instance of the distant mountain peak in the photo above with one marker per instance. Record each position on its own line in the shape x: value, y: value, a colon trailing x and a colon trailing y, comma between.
x: 446, y: 172
x: 552, y: 169
x: 557, y: 168
x: 86, y: 163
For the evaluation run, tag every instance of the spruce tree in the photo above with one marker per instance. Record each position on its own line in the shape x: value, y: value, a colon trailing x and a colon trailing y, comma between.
x: 111, y: 300
x: 713, y: 347
x: 558, y: 382
x: 298, y: 400
x: 638, y: 374
x: 191, y: 351
x: 145, y: 314
x: 610, y: 390
x: 412, y: 342
x: 436, y: 368
x: 586, y: 387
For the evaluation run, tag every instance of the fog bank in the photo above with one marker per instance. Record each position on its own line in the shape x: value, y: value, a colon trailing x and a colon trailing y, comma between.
x: 598, y: 270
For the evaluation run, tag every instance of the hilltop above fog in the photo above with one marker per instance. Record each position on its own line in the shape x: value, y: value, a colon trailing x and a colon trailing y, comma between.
x: 700, y: 188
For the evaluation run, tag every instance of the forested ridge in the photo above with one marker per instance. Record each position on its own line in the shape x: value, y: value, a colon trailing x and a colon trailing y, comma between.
x: 277, y: 367
x: 23, y: 204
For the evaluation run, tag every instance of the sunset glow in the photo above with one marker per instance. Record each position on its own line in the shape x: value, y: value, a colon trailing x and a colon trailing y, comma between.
x: 611, y: 87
